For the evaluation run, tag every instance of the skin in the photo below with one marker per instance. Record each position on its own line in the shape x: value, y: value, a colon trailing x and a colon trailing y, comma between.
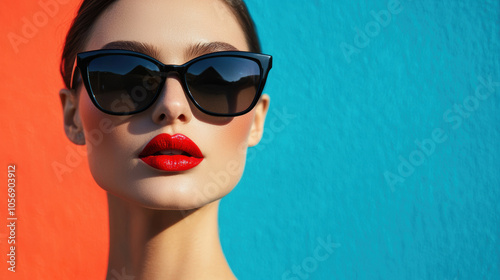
x: 164, y: 225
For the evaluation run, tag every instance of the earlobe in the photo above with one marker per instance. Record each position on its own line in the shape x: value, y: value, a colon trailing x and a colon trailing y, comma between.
x: 72, y: 123
x: 257, y: 129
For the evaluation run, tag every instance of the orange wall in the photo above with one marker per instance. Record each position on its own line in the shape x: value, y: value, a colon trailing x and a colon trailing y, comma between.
x: 61, y: 228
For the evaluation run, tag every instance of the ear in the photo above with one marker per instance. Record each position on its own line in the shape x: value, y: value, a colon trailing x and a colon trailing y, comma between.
x: 257, y: 129
x: 72, y: 122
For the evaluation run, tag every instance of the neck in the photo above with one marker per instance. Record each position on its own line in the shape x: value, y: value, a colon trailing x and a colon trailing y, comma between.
x: 164, y: 244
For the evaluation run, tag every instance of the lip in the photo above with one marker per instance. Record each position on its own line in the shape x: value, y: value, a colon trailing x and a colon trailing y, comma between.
x: 164, y: 143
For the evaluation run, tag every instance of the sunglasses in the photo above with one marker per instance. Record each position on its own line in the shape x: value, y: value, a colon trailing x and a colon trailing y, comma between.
x: 122, y: 82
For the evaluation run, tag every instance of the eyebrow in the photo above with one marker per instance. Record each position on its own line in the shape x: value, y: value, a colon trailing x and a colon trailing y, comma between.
x: 139, y: 47
x: 151, y: 50
x: 206, y: 48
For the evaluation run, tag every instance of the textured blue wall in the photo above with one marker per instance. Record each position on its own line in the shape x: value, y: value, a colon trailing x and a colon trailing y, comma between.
x: 381, y: 153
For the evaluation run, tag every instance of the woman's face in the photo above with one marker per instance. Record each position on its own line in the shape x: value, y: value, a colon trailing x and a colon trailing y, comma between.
x: 179, y: 31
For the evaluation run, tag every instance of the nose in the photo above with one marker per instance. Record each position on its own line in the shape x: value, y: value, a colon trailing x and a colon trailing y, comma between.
x: 172, y: 105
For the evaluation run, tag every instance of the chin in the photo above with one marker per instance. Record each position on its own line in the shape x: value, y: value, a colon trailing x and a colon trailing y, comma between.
x: 169, y: 193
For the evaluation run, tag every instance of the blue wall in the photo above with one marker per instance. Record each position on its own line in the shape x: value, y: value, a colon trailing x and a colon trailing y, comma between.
x: 381, y: 153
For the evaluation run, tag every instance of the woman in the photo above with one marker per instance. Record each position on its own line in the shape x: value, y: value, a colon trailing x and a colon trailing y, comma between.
x: 174, y: 138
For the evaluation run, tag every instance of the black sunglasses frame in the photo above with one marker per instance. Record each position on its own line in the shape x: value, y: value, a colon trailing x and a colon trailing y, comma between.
x: 83, y: 60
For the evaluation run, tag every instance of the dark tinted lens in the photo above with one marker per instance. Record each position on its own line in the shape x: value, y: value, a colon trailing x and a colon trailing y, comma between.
x: 224, y: 85
x: 123, y: 83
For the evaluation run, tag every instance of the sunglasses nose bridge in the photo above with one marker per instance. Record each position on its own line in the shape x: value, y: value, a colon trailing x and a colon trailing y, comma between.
x: 167, y: 70
x: 173, y: 70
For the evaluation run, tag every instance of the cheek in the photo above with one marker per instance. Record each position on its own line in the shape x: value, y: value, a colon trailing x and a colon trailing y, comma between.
x: 235, y: 136
x: 227, y: 156
x: 232, y: 139
x: 91, y: 119
x: 104, y: 136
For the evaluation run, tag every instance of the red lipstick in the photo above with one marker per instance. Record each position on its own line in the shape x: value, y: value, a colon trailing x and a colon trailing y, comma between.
x: 171, y: 153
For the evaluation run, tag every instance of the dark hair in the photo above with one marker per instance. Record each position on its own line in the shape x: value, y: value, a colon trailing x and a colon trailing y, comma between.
x: 90, y: 10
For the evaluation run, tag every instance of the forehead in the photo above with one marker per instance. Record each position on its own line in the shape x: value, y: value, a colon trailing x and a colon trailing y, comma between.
x: 172, y: 26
